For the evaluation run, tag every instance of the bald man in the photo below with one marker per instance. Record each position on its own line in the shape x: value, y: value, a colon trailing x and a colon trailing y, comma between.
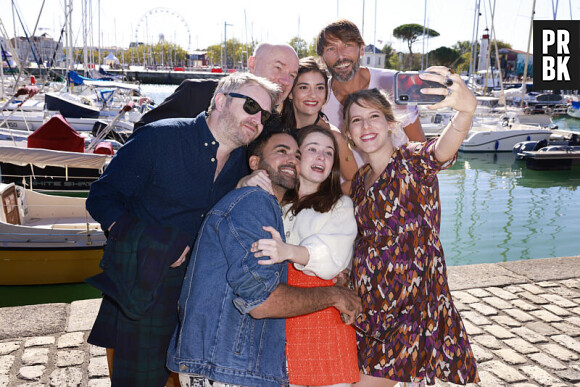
x: 275, y: 62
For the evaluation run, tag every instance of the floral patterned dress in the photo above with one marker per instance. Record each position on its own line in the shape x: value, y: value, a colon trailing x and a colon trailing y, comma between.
x: 409, y: 329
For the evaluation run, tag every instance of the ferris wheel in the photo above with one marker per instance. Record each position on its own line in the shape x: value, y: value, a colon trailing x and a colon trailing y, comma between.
x: 166, y: 24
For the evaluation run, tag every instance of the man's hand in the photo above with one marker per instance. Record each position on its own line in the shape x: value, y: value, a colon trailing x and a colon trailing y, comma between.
x: 258, y: 178
x: 348, y: 303
x: 181, y: 259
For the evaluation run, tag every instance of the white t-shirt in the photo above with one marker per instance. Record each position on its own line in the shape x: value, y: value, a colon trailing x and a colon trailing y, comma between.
x: 383, y: 79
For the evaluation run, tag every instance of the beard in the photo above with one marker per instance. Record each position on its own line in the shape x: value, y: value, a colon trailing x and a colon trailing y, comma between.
x: 278, y: 178
x: 345, y: 77
x: 235, y: 130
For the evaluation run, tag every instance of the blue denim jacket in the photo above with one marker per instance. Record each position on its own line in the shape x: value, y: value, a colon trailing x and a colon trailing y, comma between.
x: 216, y: 337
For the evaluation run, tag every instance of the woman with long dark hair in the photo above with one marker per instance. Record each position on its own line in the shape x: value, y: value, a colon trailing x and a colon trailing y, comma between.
x: 320, y: 231
x: 303, y: 107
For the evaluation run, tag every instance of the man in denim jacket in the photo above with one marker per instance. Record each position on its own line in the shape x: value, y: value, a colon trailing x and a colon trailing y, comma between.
x: 231, y: 309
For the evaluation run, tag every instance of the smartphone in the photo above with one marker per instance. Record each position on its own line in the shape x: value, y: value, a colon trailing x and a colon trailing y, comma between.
x: 407, y: 86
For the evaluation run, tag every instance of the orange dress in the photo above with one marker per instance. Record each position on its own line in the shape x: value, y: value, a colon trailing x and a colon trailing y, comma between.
x: 320, y: 348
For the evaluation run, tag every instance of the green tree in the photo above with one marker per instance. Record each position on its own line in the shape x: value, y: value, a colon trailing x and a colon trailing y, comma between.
x: 300, y: 46
x: 389, y: 52
x: 410, y: 33
x: 237, y: 53
x: 443, y: 56
x: 312, y: 48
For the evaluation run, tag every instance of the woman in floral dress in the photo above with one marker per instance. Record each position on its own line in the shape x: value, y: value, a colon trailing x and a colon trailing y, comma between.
x: 409, y: 330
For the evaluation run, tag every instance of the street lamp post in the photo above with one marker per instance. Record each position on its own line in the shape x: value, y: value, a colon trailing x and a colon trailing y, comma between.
x: 226, y: 42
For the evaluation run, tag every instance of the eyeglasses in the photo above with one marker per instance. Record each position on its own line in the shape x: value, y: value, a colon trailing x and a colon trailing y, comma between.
x: 252, y: 107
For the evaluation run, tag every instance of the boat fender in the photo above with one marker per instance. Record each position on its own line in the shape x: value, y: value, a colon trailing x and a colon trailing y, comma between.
x: 496, y: 144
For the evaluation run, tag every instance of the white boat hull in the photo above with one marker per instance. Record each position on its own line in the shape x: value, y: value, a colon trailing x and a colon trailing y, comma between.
x: 501, y: 140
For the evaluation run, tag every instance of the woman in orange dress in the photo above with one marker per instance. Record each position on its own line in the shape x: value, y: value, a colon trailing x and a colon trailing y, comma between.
x: 320, y: 231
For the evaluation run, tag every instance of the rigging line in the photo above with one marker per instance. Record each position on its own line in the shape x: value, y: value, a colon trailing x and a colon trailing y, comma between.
x: 555, y: 9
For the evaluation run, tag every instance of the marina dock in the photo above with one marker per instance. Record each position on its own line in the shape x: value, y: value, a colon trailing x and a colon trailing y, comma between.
x: 523, y: 319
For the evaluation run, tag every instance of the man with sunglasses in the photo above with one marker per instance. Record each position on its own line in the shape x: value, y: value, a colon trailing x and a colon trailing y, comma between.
x: 152, y: 199
x: 232, y: 330
x: 277, y: 63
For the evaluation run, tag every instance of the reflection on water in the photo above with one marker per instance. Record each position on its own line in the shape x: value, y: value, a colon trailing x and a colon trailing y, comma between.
x: 494, y: 209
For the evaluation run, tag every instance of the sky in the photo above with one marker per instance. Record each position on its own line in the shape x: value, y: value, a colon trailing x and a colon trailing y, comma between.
x: 198, y: 24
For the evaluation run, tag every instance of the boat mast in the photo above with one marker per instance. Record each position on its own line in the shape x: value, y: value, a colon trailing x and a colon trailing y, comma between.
x: 528, y: 52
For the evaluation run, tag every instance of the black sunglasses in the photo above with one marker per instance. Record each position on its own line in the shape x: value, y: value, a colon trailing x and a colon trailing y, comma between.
x: 252, y: 107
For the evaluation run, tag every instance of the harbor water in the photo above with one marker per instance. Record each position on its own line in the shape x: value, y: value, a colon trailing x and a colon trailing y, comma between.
x: 494, y: 209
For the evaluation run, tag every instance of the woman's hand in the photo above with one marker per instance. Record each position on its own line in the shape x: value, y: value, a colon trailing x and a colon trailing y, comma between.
x: 258, y: 178
x: 274, y: 248
x: 457, y: 94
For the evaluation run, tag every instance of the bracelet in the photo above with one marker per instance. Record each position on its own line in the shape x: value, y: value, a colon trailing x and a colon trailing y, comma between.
x: 457, y: 130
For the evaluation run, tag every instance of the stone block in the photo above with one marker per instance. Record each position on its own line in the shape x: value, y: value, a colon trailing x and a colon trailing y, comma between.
x: 540, y: 376
x: 488, y: 341
x: 570, y: 375
x: 571, y: 283
x: 83, y: 314
x: 497, y: 303
x: 568, y: 342
x: 510, y: 356
x: 502, y: 293
x: 98, y: 367
x: 532, y: 288
x: 481, y: 354
x: 9, y: 347
x: 6, y: 362
x: 31, y: 372
x: 529, y: 335
x: 548, y: 284
x: 559, y: 300
x: 504, y: 372
x: 32, y: 320
x: 574, y: 320
x: 571, y: 294
x: 481, y: 276
x: 557, y: 310
x: 559, y: 352
x: 72, y: 376
x: 39, y: 341
x: 472, y: 330
x: 499, y: 332
x: 464, y: 297
x: 533, y: 298
x: 479, y: 293
x: 97, y: 351
x: 475, y: 318
x: 519, y: 315
x: 69, y: 358
x: 74, y: 339
x: 521, y: 304
x: 484, y: 309
x: 545, y: 316
x: 522, y: 346
x: 542, y: 328
x: 487, y: 379
x: 35, y: 356
x: 569, y: 329
x: 103, y: 382
x: 546, y: 361
x: 545, y: 269
x: 513, y: 289
x: 507, y: 321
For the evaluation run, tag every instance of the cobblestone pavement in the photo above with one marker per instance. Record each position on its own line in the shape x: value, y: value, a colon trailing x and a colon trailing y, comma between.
x: 523, y: 319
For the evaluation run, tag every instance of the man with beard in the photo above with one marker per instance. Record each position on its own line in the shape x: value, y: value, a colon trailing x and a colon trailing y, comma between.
x: 152, y: 199
x: 232, y: 309
x: 341, y: 46
x: 276, y: 62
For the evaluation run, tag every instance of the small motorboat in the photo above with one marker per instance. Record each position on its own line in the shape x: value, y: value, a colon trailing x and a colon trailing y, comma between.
x: 502, y: 135
x: 574, y: 109
x: 46, y: 239
x: 544, y: 155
